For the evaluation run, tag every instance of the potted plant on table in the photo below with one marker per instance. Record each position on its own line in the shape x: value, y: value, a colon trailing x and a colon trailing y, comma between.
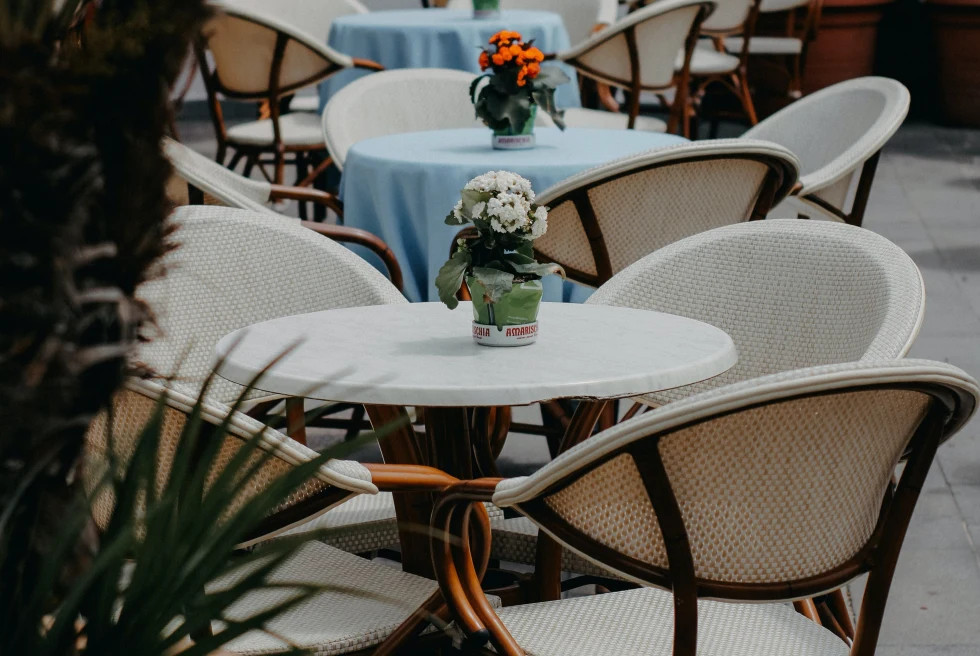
x: 508, y: 100
x: 498, y: 262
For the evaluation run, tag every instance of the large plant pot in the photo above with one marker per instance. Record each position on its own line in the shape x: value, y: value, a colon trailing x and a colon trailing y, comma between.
x: 513, y: 321
x: 845, y: 45
x: 956, y: 35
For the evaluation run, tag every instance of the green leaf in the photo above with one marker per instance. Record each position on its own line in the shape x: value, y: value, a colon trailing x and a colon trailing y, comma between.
x: 541, y: 270
x: 450, y: 277
x: 496, y: 282
x: 551, y: 76
x: 471, y: 197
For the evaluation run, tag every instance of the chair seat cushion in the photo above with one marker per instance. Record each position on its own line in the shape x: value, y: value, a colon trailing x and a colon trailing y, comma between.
x: 363, y: 524
x: 335, y: 621
x: 297, y: 129
x: 305, y: 104
x: 603, y: 120
x: 708, y: 61
x: 642, y: 622
x: 515, y: 540
x: 766, y: 45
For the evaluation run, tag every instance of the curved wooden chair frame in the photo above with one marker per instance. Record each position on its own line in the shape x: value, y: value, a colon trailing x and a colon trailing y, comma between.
x: 458, y: 576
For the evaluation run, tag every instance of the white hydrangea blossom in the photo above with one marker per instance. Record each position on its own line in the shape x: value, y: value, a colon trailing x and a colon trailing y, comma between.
x: 510, y: 206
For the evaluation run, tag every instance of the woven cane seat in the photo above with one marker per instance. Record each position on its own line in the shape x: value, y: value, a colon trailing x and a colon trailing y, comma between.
x: 296, y: 129
x: 579, y: 117
x: 642, y: 622
x: 766, y: 45
x: 365, y: 523
x: 362, y: 604
x: 515, y: 540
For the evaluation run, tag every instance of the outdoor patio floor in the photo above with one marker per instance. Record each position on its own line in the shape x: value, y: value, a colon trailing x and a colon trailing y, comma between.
x: 926, y: 199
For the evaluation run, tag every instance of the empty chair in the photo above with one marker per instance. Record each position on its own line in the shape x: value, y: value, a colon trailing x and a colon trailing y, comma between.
x: 838, y: 134
x: 404, y: 100
x: 688, y: 501
x: 637, y: 54
x: 581, y: 17
x: 791, y: 46
x: 712, y: 65
x: 790, y: 293
x: 605, y: 219
x: 334, y: 621
x: 199, y: 181
x: 262, y: 58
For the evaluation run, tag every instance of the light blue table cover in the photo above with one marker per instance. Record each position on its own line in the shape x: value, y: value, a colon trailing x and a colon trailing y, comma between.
x: 440, y: 38
x: 401, y: 187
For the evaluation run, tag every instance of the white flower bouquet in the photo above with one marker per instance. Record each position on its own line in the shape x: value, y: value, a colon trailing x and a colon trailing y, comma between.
x: 500, y: 206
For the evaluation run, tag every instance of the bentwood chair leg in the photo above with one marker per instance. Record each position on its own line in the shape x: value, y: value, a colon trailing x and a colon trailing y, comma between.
x: 249, y: 165
x: 807, y: 609
x: 838, y: 608
x: 742, y: 81
x: 236, y: 158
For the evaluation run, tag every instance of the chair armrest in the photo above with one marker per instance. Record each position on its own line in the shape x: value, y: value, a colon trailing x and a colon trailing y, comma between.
x: 367, y: 64
x: 364, y: 238
x: 409, y: 478
x: 307, y: 195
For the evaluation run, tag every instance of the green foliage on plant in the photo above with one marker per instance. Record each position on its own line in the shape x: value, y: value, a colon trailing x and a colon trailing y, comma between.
x: 519, y: 82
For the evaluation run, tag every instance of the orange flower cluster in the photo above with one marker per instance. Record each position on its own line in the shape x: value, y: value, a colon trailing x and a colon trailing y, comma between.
x: 510, y: 49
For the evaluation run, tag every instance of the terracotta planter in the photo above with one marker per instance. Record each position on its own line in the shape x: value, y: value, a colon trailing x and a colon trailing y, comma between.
x: 845, y: 45
x: 956, y: 35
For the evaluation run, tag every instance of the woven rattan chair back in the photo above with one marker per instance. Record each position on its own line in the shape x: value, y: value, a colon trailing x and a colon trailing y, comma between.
x: 838, y: 133
x: 770, y: 489
x: 228, y: 273
x: 581, y: 17
x: 605, y: 219
x: 211, y: 183
x: 135, y: 404
x: 640, y: 49
x: 790, y: 293
x: 259, y: 55
x: 397, y: 101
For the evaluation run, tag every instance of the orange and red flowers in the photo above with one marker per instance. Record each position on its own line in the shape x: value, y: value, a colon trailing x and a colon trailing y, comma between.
x: 510, y: 49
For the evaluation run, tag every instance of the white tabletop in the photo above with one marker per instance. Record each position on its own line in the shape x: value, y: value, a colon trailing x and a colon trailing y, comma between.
x: 422, y: 354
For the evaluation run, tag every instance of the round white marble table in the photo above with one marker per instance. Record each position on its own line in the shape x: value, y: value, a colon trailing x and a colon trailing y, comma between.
x: 387, y: 357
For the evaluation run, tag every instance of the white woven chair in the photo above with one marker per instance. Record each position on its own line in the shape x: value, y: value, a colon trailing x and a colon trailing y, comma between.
x: 838, y: 133
x: 335, y: 621
x: 688, y: 498
x: 792, y: 46
x: 637, y: 54
x: 200, y: 181
x: 712, y: 65
x: 790, y: 293
x: 398, y: 101
x: 261, y: 57
x: 581, y: 17
x: 605, y: 219
x: 227, y: 274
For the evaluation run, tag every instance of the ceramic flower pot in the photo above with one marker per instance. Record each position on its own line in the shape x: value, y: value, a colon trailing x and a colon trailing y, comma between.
x: 512, y: 321
x: 510, y: 140
x: 486, y: 8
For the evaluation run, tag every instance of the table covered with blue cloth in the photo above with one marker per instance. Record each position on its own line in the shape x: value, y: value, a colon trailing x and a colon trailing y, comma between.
x: 402, y: 186
x: 440, y: 38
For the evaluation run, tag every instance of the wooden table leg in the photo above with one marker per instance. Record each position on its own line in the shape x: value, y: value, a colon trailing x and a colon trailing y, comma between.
x: 296, y: 419
x: 412, y: 509
x: 583, y: 422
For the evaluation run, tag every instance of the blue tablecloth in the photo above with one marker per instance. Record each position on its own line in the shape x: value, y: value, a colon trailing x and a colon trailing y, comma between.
x: 440, y: 38
x: 401, y: 187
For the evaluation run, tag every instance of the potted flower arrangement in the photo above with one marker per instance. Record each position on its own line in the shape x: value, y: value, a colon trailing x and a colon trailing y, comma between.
x: 498, y: 264
x: 508, y: 97
x: 486, y: 8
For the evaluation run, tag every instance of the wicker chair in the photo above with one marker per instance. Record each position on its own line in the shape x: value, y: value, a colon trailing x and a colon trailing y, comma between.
x: 637, y: 54
x: 689, y: 498
x: 790, y: 293
x: 605, y: 219
x: 263, y: 58
x: 400, y: 101
x: 792, y: 46
x: 838, y: 133
x: 199, y: 181
x: 227, y: 274
x: 581, y: 17
x: 712, y: 65
x: 344, y: 622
